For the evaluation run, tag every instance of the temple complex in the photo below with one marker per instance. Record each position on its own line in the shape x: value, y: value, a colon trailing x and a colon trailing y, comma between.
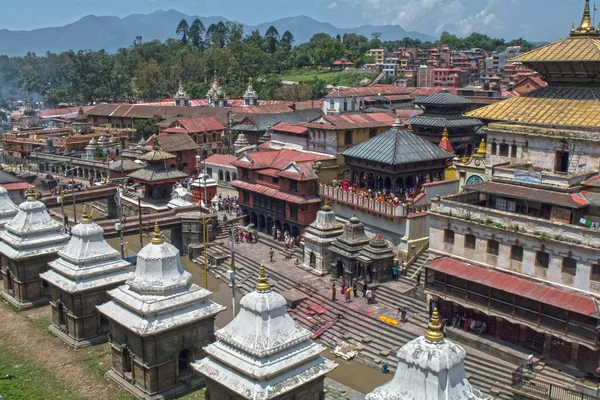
x: 430, y: 367
x: 318, y: 237
x: 29, y: 241
x: 345, y: 250
x: 79, y: 279
x: 159, y: 323
x: 444, y: 111
x: 264, y: 354
x: 519, y: 250
x: 8, y: 209
x: 395, y: 161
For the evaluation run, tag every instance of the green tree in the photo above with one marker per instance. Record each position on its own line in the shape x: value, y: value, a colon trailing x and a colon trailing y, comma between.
x: 271, y: 39
x: 287, y: 40
x: 146, y: 128
x: 196, y: 33
x: 182, y: 31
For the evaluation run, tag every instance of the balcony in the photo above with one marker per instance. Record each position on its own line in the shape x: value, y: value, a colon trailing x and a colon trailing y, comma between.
x: 361, y: 202
x: 463, y: 206
x: 525, y: 174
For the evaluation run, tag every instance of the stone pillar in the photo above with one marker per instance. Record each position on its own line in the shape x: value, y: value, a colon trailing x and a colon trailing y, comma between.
x: 574, y: 353
x: 522, y: 334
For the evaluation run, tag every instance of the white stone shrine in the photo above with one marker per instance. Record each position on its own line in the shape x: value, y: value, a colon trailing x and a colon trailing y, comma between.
x: 264, y: 354
x: 8, y: 209
x: 79, y: 280
x: 159, y: 323
x: 430, y: 367
x: 317, y: 238
x: 29, y: 241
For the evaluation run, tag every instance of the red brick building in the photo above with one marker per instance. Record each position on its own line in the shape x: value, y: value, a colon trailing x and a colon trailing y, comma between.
x: 183, y: 147
x: 278, y: 189
x: 207, y: 132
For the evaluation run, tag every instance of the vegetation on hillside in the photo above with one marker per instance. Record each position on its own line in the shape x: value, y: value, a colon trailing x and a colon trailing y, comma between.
x: 152, y: 71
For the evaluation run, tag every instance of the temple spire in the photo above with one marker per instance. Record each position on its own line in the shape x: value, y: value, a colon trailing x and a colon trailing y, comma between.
x: 397, y: 122
x: 86, y: 215
x: 263, y: 280
x: 445, y: 142
x: 585, y: 27
x: 326, y: 206
x: 157, y: 237
x: 30, y: 194
x: 434, y: 332
x: 481, y: 152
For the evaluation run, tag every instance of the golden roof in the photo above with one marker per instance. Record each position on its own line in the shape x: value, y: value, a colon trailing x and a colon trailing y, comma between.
x: 583, y: 44
x: 564, y: 106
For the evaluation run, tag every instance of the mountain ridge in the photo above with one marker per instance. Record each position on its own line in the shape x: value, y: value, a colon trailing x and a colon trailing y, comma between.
x: 111, y: 33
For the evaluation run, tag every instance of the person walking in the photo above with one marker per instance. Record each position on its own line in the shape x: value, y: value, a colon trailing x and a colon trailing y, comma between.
x: 418, y: 279
x: 530, y: 363
x: 348, y: 295
x: 355, y: 289
x: 395, y: 272
x: 403, y: 268
x: 365, y: 288
x: 343, y: 291
x: 333, y: 292
x: 272, y: 255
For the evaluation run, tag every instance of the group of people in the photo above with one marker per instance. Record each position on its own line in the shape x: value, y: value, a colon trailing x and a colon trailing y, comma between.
x: 229, y: 205
x: 468, y: 324
x: 349, y: 291
x: 381, y: 196
x: 289, y: 241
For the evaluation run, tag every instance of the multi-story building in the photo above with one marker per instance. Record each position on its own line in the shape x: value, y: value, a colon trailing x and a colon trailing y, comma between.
x: 425, y: 76
x: 390, y: 66
x: 379, y: 54
x: 520, y: 250
x: 207, y: 132
x: 448, y: 77
x: 496, y: 62
x: 357, y: 98
x: 278, y: 188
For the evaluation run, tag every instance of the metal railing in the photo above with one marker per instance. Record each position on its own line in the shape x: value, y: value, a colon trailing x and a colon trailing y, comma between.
x: 424, y: 247
x: 537, y: 388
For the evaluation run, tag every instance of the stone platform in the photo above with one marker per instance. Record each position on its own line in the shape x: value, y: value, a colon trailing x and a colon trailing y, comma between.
x: 77, y: 344
x: 293, y: 297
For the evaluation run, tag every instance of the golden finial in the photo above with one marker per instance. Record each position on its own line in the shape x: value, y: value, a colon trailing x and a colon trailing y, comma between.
x: 445, y: 134
x: 263, y: 280
x: 572, y: 28
x: 86, y: 214
x: 434, y: 332
x: 410, y: 128
x: 30, y: 194
x: 326, y: 206
x: 157, y: 237
x: 585, y: 27
x: 464, y: 159
x: 481, y: 151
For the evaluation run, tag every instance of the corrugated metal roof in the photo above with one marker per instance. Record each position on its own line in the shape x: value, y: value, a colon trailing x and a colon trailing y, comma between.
x: 397, y: 146
x: 244, y: 127
x: 221, y: 159
x: 177, y: 142
x: 560, y: 298
x: 570, y: 200
x: 449, y: 121
x: 442, y: 98
x: 354, y: 121
x: 157, y: 174
x: 367, y: 91
x: 275, y: 193
x: 552, y: 105
x: 289, y: 128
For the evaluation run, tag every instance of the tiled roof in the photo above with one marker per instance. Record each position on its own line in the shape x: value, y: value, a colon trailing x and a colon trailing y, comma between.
x: 570, y: 200
x: 289, y: 128
x: 128, y: 165
x: 574, y: 48
x: 157, y: 174
x: 299, y: 172
x: 244, y: 127
x: 449, y: 121
x: 564, y: 106
x: 147, y: 112
x: 221, y: 159
x: 367, y: 91
x: 354, y: 121
x: 276, y: 193
x: 204, y: 124
x: 407, y: 113
x: 397, y: 146
x: 442, y: 98
x: 157, y: 155
x: 177, y: 142
x: 278, y: 159
x: 261, y: 122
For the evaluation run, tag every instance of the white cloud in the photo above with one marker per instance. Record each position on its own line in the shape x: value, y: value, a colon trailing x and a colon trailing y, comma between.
x: 332, y: 5
x: 434, y: 16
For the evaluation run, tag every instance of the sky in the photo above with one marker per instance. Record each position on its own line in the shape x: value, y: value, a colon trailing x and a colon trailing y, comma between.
x: 535, y: 20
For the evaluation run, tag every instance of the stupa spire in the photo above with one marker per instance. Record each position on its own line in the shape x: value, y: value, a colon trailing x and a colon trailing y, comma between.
x: 585, y: 27
x: 445, y: 142
x: 326, y: 206
x: 481, y: 151
x: 157, y: 237
x: 263, y: 280
x: 434, y: 332
x: 86, y: 215
x: 30, y: 194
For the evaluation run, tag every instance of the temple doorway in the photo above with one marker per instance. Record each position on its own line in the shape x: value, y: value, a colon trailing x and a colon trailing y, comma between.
x: 185, y: 369
x: 295, y: 232
x: 261, y: 223
x: 339, y: 269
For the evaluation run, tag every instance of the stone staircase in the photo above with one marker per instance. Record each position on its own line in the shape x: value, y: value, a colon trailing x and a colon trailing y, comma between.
x: 418, y: 265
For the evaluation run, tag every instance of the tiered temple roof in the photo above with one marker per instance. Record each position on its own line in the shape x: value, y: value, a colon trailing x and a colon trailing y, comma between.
x: 571, y: 67
x: 160, y: 295
x: 263, y: 353
x: 32, y: 232
x: 352, y: 241
x: 88, y: 261
x: 8, y: 209
x: 325, y: 228
x: 377, y: 249
x: 430, y: 367
x: 157, y: 170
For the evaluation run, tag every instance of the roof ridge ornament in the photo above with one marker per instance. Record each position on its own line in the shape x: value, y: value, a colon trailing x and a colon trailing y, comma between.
x: 326, y: 206
x: 585, y: 27
x: 397, y: 122
x: 481, y: 152
x: 157, y: 237
x: 30, y: 195
x: 434, y: 332
x: 263, y: 280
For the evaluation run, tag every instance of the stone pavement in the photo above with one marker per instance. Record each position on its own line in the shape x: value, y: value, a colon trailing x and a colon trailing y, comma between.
x: 336, y: 391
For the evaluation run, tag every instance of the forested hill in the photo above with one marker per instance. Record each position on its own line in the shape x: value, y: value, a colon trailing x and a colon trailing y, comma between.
x: 111, y: 33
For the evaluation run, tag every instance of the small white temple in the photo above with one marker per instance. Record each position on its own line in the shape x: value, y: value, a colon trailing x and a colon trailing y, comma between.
x: 8, y: 209
x: 181, y: 97
x: 263, y: 353
x: 250, y: 97
x: 430, y: 367
x: 216, y: 96
x: 317, y: 238
x: 79, y: 280
x: 29, y: 241
x: 159, y: 323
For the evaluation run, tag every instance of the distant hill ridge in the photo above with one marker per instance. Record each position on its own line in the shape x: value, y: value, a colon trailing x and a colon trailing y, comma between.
x: 111, y: 33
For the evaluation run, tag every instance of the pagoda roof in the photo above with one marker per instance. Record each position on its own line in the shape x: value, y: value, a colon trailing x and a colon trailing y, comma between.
x: 397, y: 146
x: 153, y: 173
x: 442, y: 98
x: 444, y: 121
x: 572, y: 49
x: 552, y: 105
x: 157, y: 155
